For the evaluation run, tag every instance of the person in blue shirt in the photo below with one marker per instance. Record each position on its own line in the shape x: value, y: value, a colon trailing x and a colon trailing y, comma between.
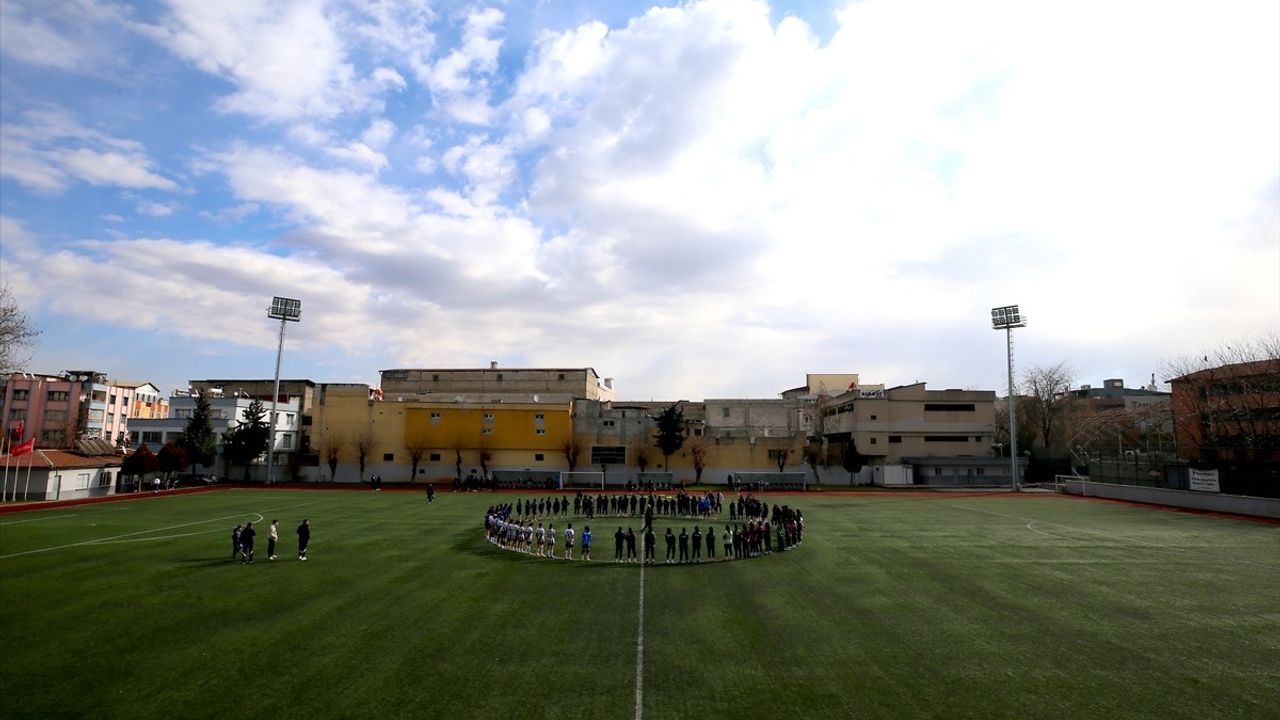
x: 586, y: 542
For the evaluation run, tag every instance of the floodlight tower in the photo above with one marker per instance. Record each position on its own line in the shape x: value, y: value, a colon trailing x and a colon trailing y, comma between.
x: 1007, y: 318
x: 285, y: 310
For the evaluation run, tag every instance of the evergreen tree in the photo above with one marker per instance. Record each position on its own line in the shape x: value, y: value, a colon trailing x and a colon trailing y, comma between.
x: 249, y: 440
x: 198, y: 438
x: 670, y: 437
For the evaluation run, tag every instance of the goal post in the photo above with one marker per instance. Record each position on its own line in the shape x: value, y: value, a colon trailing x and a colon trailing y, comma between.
x: 591, y: 479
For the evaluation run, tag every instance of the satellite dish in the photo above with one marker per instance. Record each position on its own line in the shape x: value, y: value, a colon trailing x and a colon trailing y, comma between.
x: 535, y: 398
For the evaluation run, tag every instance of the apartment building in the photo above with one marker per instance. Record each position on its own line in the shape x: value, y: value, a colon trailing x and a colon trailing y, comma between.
x: 225, y: 413
x: 58, y: 409
x: 1229, y: 414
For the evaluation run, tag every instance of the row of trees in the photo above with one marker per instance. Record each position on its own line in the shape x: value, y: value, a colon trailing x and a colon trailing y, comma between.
x: 1221, y: 411
x: 241, y: 445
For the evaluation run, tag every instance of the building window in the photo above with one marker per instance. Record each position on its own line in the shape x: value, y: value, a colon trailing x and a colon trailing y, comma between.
x: 873, y: 441
x: 82, y: 481
x: 561, y: 376
x: 977, y: 438
x: 724, y: 411
x: 388, y: 457
x: 21, y: 394
x: 55, y: 415
x: 608, y: 423
x: 57, y: 396
x: 18, y: 414
x: 487, y: 427
x: 697, y: 432
x: 982, y: 471
x: 111, y: 418
x: 182, y: 414
x: 53, y: 437
x: 151, y: 437
x: 943, y: 438
x: 937, y: 471
x: 435, y: 457
x: 499, y: 376
x: 537, y: 457
x: 873, y: 417
x: 894, y: 439
x: 539, y: 425
x: 288, y: 418
x: 948, y: 407
x: 104, y: 480
x: 435, y: 418
x: 286, y: 441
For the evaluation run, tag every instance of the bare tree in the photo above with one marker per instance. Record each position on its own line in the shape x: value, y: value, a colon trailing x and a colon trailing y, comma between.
x: 572, y: 451
x: 699, y: 451
x: 16, y: 332
x: 1042, y: 387
x: 813, y: 457
x: 333, y: 448
x: 640, y: 451
x: 416, y: 452
x: 1226, y: 402
x: 364, y: 446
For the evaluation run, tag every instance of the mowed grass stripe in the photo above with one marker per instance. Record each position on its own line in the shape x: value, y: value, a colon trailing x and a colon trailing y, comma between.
x: 891, y: 608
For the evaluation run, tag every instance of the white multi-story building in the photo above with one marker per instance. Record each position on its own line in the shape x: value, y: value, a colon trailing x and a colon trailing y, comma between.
x: 225, y: 414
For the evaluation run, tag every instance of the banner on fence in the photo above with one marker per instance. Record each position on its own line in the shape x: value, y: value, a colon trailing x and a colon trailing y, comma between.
x: 1204, y: 480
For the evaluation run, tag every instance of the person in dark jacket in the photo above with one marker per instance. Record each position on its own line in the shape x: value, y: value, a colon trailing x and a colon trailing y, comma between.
x: 618, y: 539
x: 235, y: 543
x: 650, y: 540
x: 711, y: 543
x: 631, y: 545
x: 670, y: 537
x: 304, y: 537
x: 697, y: 544
x: 246, y: 544
x: 684, y: 545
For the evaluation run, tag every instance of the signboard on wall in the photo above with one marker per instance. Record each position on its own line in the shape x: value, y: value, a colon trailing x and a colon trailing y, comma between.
x: 608, y: 455
x: 1204, y: 480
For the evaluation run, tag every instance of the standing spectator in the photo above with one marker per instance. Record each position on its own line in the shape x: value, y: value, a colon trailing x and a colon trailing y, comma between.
x: 684, y: 545
x: 551, y: 540
x: 304, y: 537
x: 650, y: 540
x: 670, y: 537
x: 727, y: 545
x: 631, y: 545
x: 568, y: 542
x: 235, y: 543
x: 273, y: 534
x: 431, y: 493
x: 586, y: 542
x: 618, y: 539
x: 697, y: 544
x: 711, y: 542
x: 246, y: 544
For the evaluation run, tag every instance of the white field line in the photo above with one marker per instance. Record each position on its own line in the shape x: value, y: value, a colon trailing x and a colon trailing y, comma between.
x: 640, y: 652
x: 19, y: 522
x: 115, y: 539
x: 1130, y: 541
x: 166, y: 537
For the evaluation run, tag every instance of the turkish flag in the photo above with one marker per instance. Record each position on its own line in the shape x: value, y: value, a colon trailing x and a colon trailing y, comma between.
x: 18, y: 430
x: 24, y: 448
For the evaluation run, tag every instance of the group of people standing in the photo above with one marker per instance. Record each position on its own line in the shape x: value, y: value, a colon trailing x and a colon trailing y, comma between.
x: 242, y: 541
x: 521, y: 527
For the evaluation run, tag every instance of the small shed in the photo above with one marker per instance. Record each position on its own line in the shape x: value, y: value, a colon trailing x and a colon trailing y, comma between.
x: 59, y: 475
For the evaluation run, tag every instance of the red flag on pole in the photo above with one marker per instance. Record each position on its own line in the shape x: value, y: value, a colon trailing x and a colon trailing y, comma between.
x: 19, y: 430
x: 23, y: 448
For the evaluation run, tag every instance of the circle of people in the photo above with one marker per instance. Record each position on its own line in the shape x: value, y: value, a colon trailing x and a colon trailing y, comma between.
x: 754, y: 529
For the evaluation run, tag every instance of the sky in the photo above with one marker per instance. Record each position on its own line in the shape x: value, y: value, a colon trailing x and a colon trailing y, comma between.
x: 702, y: 200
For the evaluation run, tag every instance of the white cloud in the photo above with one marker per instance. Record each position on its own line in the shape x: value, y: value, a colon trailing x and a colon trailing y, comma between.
x: 459, y: 80
x: 76, y: 36
x: 155, y: 209
x: 286, y: 59
x: 379, y: 133
x: 48, y: 150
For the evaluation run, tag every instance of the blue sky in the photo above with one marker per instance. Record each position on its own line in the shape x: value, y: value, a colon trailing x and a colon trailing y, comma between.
x: 700, y: 200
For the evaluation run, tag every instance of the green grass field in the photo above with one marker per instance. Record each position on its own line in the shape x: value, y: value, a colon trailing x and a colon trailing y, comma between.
x: 928, y: 606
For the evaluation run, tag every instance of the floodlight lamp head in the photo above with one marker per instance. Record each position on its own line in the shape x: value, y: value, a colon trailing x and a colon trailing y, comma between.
x: 1006, y: 317
x: 287, y: 309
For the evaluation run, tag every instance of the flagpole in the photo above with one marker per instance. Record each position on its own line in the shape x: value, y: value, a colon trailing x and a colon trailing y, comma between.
x: 4, y: 488
x: 26, y: 487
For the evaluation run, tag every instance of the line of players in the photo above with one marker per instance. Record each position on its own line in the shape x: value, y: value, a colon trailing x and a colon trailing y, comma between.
x: 781, y: 529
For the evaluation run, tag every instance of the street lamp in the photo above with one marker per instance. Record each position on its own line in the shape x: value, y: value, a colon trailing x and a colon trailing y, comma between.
x: 285, y: 310
x: 1007, y: 318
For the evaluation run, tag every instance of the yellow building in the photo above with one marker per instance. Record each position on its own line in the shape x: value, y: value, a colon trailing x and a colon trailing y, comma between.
x: 441, y: 438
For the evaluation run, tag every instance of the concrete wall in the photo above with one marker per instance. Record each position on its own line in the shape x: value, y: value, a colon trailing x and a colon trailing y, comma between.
x: 1216, y: 502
